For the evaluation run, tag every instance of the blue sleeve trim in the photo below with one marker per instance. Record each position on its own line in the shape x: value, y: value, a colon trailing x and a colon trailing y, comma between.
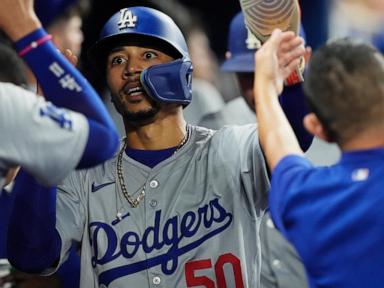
x: 33, y: 241
x: 26, y: 40
x: 94, y: 153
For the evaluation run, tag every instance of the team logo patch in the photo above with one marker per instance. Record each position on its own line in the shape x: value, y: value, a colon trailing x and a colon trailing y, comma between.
x: 360, y: 174
x: 127, y: 19
x: 58, y: 115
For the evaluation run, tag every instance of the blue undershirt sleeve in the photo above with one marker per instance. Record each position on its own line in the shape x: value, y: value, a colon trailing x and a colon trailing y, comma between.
x: 65, y: 87
x: 33, y: 241
x: 293, y: 103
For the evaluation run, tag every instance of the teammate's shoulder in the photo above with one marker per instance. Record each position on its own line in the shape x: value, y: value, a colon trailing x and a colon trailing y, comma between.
x: 12, y: 92
x: 8, y: 86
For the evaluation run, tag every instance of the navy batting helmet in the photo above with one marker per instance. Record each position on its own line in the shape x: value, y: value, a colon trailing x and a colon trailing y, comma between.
x: 242, y: 46
x: 170, y: 82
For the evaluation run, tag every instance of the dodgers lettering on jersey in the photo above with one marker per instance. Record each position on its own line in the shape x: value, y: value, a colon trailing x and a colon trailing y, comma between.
x: 209, y: 220
x: 200, y: 219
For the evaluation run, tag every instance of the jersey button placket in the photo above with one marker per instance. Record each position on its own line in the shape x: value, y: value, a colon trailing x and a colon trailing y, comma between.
x: 276, y: 263
x: 153, y: 184
x: 153, y: 203
x: 156, y: 280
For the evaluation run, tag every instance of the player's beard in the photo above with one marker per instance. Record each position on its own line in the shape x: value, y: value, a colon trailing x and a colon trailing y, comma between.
x: 140, y: 117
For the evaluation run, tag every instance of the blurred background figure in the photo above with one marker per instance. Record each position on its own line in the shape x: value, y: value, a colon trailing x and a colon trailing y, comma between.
x: 239, y: 62
x: 362, y: 19
x: 63, y: 20
x: 315, y: 18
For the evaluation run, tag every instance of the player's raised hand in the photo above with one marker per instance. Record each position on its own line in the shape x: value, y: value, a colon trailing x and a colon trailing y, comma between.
x: 18, y: 18
x: 276, y: 60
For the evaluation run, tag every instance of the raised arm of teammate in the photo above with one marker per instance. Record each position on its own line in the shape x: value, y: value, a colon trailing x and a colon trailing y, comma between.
x: 276, y: 59
x: 64, y: 86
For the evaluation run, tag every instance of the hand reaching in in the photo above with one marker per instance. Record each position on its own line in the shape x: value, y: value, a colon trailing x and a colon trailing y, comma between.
x: 277, y: 59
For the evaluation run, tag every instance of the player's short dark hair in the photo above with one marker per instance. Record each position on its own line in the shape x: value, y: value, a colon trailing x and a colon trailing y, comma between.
x: 11, y: 66
x: 344, y: 87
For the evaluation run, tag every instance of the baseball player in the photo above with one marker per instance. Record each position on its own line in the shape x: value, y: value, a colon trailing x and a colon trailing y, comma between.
x: 32, y: 129
x: 333, y: 215
x: 281, y: 266
x: 178, y: 205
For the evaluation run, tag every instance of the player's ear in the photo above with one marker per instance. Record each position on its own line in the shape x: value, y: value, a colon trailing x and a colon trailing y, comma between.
x: 314, y: 126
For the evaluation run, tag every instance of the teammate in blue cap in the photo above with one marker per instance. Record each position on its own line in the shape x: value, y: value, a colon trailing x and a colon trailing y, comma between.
x: 242, y: 46
x: 179, y: 205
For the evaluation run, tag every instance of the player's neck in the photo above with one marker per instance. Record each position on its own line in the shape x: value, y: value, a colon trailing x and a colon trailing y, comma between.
x: 165, y: 132
x: 367, y: 139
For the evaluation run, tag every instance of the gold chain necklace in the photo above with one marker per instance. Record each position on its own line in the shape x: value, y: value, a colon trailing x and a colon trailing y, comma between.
x: 134, y: 202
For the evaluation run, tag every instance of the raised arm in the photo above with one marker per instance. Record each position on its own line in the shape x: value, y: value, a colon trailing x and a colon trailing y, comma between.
x: 33, y: 242
x: 62, y: 84
x: 275, y: 61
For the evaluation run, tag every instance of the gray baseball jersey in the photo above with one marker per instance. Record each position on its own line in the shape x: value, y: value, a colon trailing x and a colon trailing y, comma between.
x: 197, y: 225
x: 48, y: 142
x: 281, y: 266
x: 235, y: 112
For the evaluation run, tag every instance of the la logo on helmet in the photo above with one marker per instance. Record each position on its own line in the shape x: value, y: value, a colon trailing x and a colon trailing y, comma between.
x: 127, y: 19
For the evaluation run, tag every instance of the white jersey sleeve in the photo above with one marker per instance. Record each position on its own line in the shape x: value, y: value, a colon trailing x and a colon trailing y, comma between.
x: 44, y: 139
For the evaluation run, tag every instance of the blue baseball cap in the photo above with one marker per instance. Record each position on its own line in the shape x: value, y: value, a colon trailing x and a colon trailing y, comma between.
x: 241, y: 48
